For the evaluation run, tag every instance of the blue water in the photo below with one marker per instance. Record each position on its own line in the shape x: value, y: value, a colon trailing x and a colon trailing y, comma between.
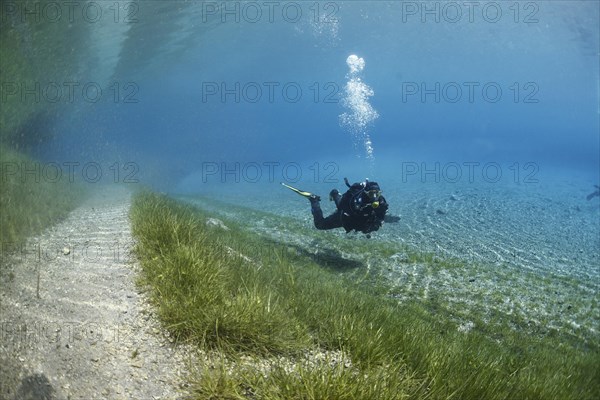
x: 494, y: 104
x: 498, y: 83
x: 480, y: 121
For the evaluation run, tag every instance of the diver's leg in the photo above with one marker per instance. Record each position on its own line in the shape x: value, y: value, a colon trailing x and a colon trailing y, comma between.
x: 331, y: 222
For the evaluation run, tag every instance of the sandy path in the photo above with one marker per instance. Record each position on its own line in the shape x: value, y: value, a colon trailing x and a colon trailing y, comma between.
x: 91, y: 333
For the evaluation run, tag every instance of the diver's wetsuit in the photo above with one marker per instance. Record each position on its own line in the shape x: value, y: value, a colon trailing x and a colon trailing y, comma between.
x: 331, y: 222
x: 366, y: 221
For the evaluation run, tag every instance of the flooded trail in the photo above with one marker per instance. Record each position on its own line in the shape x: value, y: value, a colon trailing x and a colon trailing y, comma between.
x: 74, y: 323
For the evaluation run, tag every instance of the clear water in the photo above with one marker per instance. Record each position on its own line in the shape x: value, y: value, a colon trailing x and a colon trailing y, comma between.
x: 185, y: 84
x: 480, y: 121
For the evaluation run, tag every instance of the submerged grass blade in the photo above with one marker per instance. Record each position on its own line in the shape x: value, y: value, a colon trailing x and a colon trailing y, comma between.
x: 277, y: 307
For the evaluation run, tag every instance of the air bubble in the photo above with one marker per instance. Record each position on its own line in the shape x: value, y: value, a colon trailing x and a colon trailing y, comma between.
x: 360, y: 113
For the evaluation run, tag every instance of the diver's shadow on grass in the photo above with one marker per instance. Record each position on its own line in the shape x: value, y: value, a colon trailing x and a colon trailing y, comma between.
x: 330, y: 259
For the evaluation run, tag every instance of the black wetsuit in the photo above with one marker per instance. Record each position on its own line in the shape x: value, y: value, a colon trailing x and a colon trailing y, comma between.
x: 367, y: 220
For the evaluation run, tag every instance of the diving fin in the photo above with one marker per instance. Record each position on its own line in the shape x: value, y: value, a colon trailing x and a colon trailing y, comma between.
x: 302, y: 193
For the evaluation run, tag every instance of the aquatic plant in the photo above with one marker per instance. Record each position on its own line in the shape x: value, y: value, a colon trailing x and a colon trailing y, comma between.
x: 281, y: 308
x: 33, y: 55
x: 29, y: 203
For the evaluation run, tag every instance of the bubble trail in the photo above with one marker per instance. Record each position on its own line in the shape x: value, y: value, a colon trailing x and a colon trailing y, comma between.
x: 360, y: 114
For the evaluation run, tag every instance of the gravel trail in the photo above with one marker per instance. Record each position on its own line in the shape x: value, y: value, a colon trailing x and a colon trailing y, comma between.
x: 74, y: 325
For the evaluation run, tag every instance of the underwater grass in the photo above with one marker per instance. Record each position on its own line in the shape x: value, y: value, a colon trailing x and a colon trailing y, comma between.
x: 33, y: 56
x: 325, y: 378
x: 204, y: 291
x: 29, y: 203
x: 274, y: 305
x: 492, y: 297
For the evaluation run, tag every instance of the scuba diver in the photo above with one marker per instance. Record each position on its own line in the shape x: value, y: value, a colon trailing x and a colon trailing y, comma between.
x: 362, y: 208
